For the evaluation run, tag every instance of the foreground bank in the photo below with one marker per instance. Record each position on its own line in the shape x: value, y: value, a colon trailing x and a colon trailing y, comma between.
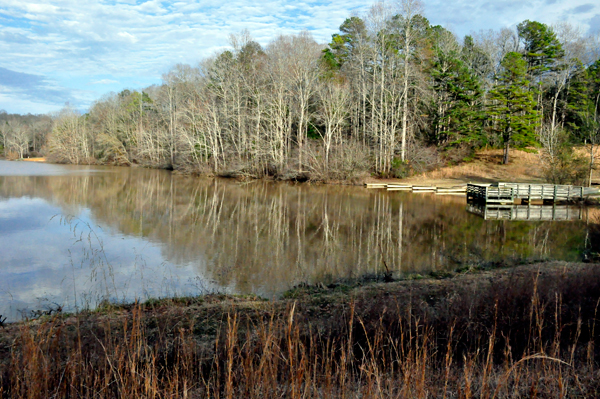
x: 522, y: 332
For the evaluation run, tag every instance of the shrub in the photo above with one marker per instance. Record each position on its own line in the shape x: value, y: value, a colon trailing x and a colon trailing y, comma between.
x: 566, y: 167
x: 347, y: 162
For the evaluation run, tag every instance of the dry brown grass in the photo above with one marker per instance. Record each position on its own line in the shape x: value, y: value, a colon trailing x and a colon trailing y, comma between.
x: 530, y: 332
x: 585, y: 151
x: 40, y: 159
x: 487, y: 166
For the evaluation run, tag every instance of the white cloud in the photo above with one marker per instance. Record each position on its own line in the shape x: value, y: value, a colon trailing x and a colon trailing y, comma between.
x: 105, y: 82
x: 41, y: 8
x: 119, y: 39
x: 468, y: 16
x: 128, y: 36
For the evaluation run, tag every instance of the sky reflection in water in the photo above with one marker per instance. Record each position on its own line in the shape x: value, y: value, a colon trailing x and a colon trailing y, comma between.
x: 78, y: 235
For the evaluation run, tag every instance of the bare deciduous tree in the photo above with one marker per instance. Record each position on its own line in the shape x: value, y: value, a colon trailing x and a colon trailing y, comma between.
x: 332, y: 113
x: 70, y: 141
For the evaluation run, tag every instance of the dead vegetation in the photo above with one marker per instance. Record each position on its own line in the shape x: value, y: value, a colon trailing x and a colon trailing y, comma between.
x: 486, y: 166
x: 524, y: 332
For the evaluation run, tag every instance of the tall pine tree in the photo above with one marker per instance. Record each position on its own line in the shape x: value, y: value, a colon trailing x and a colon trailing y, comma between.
x: 459, y: 111
x: 513, y: 106
x: 542, y: 47
x: 342, y: 45
x: 583, y: 109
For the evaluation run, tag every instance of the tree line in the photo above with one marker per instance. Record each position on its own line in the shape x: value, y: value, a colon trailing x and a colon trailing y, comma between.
x: 390, y: 94
x: 23, y: 135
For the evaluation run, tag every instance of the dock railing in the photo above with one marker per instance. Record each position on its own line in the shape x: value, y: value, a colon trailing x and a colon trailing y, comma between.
x: 554, y: 192
x: 509, y: 192
x: 489, y: 193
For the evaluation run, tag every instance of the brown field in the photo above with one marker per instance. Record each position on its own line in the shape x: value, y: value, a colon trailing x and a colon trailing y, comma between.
x: 527, y: 332
x: 487, y: 167
x: 40, y: 159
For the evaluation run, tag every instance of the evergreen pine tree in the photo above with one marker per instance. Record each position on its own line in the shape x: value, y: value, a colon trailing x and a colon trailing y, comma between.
x: 542, y: 47
x: 513, y: 106
x: 457, y: 109
x: 342, y: 45
x: 461, y: 96
x: 580, y: 104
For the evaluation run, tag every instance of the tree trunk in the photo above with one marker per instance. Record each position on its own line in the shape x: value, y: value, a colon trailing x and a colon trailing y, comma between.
x: 405, y: 92
x: 506, y: 148
x: 591, y: 163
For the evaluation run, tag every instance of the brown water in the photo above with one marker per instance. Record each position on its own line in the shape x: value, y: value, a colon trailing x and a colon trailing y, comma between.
x: 77, y: 235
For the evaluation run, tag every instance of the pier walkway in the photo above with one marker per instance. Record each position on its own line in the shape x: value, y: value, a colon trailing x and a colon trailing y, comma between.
x: 514, y: 193
x: 500, y: 193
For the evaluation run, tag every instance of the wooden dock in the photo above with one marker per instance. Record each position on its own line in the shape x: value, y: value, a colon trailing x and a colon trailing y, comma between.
x: 398, y: 187
x: 526, y: 212
x: 500, y: 193
x: 514, y: 193
x: 454, y: 190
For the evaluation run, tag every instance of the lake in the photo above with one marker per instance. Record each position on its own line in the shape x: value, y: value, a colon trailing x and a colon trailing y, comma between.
x: 77, y: 235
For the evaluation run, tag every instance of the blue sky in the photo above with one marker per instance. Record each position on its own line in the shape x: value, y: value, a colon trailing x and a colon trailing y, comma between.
x: 58, y: 51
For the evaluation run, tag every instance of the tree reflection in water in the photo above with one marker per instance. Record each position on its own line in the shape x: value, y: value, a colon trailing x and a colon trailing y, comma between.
x: 265, y: 237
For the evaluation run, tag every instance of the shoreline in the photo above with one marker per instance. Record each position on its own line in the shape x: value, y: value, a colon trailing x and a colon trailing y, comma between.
x: 342, y: 290
x: 485, y: 168
x: 445, y: 178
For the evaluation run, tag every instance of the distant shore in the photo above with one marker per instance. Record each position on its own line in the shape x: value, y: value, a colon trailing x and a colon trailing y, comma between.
x: 485, y: 168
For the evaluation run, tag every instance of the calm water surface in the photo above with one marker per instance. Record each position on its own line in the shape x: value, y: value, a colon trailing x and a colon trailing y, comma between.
x: 74, y: 235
